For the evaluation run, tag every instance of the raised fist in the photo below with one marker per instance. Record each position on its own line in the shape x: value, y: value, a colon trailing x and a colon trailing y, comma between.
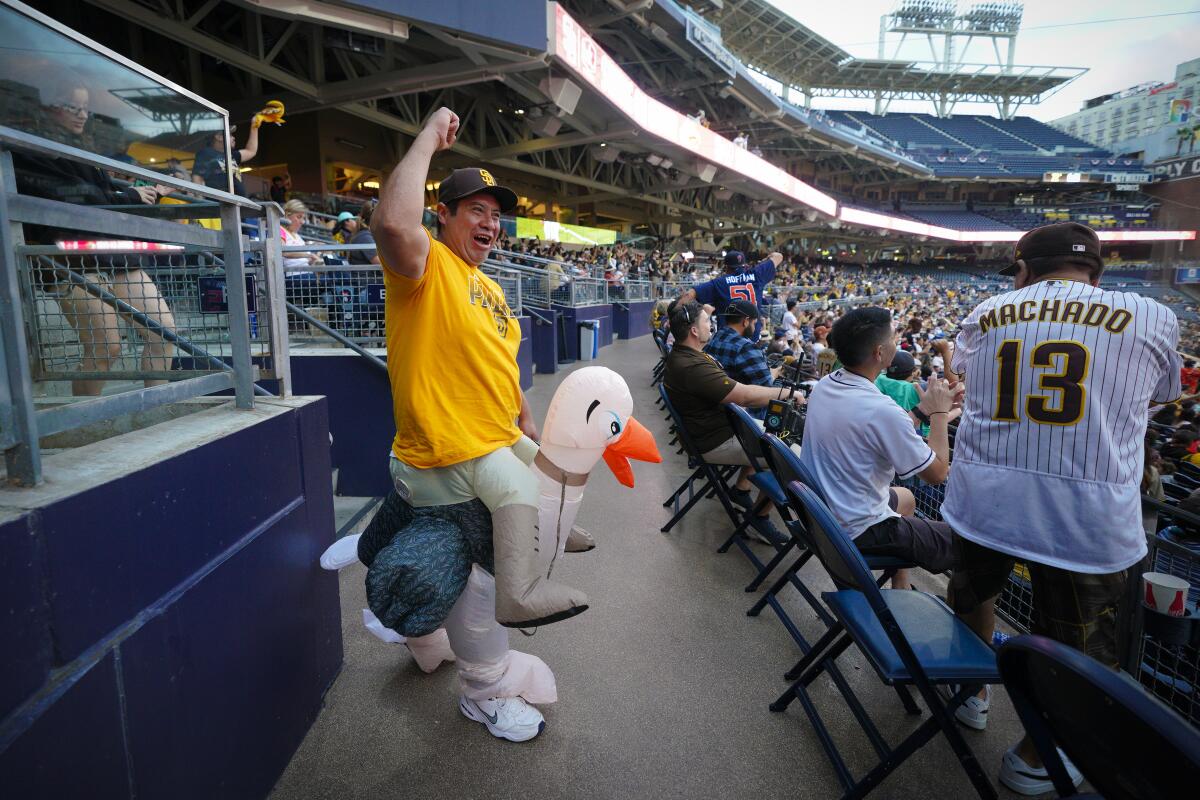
x: 444, y: 124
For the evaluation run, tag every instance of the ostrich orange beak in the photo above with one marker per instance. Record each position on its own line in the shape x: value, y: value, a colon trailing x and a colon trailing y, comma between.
x: 635, y: 442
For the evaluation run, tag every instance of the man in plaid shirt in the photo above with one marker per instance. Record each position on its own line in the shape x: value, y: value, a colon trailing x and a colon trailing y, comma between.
x: 742, y: 359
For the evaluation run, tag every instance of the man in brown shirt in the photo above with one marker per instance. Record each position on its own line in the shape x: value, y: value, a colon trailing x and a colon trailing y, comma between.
x: 699, y: 389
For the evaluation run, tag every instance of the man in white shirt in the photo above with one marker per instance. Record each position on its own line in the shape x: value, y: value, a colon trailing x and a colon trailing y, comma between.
x: 857, y: 439
x: 791, y: 328
x: 1048, y: 457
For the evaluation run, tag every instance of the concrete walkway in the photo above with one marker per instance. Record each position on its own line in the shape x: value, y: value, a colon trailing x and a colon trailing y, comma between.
x: 663, y: 684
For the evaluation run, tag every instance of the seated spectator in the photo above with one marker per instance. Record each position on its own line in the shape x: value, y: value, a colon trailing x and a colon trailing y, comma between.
x: 897, y: 384
x: 1167, y: 415
x: 293, y: 217
x: 856, y: 440
x: 733, y: 349
x: 658, y: 316
x: 360, y: 233
x: 779, y: 344
x: 1187, y: 411
x: 820, y: 338
x: 176, y: 169
x: 1190, y: 376
x: 279, y: 188
x: 1182, y: 445
x: 343, y: 228
x: 66, y: 118
x: 699, y: 389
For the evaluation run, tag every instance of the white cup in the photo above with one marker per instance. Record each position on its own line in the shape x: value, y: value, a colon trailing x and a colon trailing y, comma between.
x: 1164, y: 593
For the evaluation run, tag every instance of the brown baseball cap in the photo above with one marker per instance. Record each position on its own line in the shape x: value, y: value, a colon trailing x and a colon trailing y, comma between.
x: 1071, y: 240
x: 472, y: 180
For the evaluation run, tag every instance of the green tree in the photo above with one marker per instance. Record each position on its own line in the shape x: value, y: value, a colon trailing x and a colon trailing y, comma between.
x: 1182, y: 135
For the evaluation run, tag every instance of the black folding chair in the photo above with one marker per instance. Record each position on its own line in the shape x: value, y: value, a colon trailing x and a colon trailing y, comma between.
x: 1185, y: 480
x: 1127, y: 743
x: 911, y: 639
x: 749, y: 436
x: 1174, y: 491
x: 1189, y: 470
x: 660, y: 340
x: 714, y: 477
x: 788, y: 467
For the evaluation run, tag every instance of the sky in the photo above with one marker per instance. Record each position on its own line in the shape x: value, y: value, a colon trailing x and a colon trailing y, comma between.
x: 1118, y: 54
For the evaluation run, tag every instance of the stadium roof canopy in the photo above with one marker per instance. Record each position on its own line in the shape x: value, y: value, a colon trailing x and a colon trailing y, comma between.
x: 598, y: 111
x: 774, y: 43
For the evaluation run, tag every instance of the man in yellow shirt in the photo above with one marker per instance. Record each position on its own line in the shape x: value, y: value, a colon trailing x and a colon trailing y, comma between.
x: 463, y: 427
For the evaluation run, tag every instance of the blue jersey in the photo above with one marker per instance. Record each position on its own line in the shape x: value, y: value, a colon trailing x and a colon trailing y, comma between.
x: 719, y: 291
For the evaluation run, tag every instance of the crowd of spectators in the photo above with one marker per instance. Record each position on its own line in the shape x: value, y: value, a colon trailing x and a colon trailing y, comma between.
x: 862, y: 440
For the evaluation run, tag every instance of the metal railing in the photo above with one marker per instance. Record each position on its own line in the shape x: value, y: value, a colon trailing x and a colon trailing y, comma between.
x: 95, y: 289
x: 586, y: 292
x: 635, y: 292
x: 341, y: 303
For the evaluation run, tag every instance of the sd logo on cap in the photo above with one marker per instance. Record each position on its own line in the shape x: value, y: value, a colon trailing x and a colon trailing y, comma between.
x: 472, y: 180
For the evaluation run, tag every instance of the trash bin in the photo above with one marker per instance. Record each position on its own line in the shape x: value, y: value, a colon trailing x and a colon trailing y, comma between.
x: 589, y: 339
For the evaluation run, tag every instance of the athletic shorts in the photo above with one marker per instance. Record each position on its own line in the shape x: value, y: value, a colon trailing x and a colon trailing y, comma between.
x: 1075, y: 608
x: 927, y: 544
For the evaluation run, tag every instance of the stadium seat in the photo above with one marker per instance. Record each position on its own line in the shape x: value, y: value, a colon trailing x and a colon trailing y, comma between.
x: 909, y: 638
x: 715, y: 479
x: 1127, y: 744
x: 750, y: 436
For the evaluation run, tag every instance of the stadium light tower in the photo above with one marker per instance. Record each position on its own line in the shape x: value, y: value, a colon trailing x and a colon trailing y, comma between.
x: 941, y: 24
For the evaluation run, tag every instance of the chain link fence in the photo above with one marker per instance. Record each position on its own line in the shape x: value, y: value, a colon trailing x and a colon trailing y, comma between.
x: 110, y: 316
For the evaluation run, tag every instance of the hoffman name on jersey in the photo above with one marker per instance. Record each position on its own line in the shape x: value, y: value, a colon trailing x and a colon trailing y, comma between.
x: 1093, y: 315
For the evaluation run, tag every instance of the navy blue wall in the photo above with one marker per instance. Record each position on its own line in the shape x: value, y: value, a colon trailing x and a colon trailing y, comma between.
x: 360, y: 417
x: 631, y: 320
x: 568, y: 323
x: 517, y: 22
x: 170, y: 633
x: 544, y: 338
x: 525, y: 354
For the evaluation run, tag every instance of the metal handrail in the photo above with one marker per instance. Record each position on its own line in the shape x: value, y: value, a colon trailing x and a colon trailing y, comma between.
x: 21, y: 424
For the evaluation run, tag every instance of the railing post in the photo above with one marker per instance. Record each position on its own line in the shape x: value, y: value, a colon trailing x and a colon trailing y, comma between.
x: 239, y: 321
x: 276, y: 312
x: 18, y: 420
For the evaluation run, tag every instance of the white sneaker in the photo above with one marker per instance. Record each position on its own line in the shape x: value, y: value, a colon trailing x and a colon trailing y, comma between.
x: 1027, y: 780
x: 508, y: 718
x: 974, y: 711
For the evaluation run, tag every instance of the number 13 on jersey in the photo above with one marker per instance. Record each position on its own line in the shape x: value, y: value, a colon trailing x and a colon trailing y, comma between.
x: 1062, y: 396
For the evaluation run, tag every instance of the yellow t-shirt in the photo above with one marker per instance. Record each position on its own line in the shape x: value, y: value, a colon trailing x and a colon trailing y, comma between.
x: 452, y: 359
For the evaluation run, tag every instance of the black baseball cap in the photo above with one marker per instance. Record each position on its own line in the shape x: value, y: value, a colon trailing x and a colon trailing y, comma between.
x: 902, y: 365
x: 740, y: 308
x: 472, y: 180
x: 735, y: 258
x: 1071, y: 240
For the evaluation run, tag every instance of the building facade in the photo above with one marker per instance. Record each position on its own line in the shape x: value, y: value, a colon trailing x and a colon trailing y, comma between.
x: 1145, y: 117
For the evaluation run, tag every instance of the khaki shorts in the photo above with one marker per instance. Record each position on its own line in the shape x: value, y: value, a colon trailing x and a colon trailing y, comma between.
x: 728, y: 452
x: 731, y: 453
x: 500, y: 478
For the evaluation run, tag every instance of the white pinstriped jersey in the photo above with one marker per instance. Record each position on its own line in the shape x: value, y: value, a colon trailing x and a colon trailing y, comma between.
x: 1048, y: 457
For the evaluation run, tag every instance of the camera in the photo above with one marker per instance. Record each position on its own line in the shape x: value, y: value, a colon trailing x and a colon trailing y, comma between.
x: 785, y: 419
